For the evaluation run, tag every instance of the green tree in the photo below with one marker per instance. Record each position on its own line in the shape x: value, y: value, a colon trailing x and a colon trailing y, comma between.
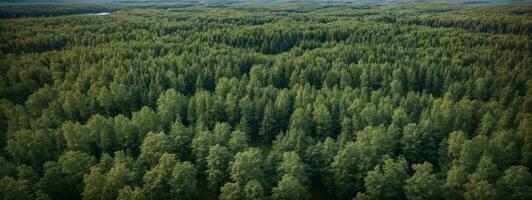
x: 128, y: 193
x: 32, y: 147
x: 323, y: 120
x: 268, y: 126
x: 105, y: 100
x: 14, y: 189
x: 516, y: 183
x: 232, y: 109
x: 217, y: 166
x: 293, y: 165
x: 157, y: 180
x: 231, y: 191
x: 64, y: 179
x: 400, y: 118
x: 504, y: 148
x: 480, y: 190
x: 454, y: 144
x: 253, y: 190
x: 127, y: 134
x: 153, y: 147
x: 93, y: 189
x: 103, y: 129
x: 221, y: 133
x: 118, y: 177
x: 201, y: 143
x: 455, y: 182
x: 387, y: 181
x: 290, y: 188
x: 171, y: 106
x: 479, y: 185
x: 183, y: 183
x: 283, y: 108
x: 79, y: 138
x: 423, y: 184
x: 238, y: 142
x: 247, y: 165
x: 145, y: 121
x: 321, y: 156
x: 301, y: 120
x: 181, y: 139
x: 248, y: 120
x: 418, y: 144
x: 105, y: 182
x: 356, y: 159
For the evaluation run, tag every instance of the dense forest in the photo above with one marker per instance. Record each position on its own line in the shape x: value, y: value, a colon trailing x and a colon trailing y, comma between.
x: 287, y: 101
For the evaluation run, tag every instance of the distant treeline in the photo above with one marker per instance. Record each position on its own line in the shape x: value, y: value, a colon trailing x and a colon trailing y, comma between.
x: 28, y: 10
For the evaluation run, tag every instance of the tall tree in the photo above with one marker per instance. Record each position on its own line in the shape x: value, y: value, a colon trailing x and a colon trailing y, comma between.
x: 181, y: 139
x: 103, y: 128
x: 268, y: 126
x: 171, y: 106
x: 323, y: 120
x: 217, y: 166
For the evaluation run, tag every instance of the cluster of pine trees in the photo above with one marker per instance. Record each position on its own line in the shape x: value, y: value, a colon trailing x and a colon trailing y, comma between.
x: 251, y: 102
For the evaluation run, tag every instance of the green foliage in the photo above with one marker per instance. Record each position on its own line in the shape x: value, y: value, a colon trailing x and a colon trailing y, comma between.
x: 153, y: 147
x: 423, y: 184
x: 356, y: 159
x: 181, y: 138
x: 455, y: 182
x: 42, y: 144
x: 323, y: 121
x: 516, y: 183
x: 14, y: 189
x: 170, y: 179
x: 292, y: 165
x: 63, y: 179
x: 105, y: 184
x: 238, y: 142
x: 386, y: 181
x: 217, y: 166
x: 247, y: 165
x: 290, y: 188
x: 171, y: 106
x: 169, y: 100
x: 254, y: 191
x: 183, y: 181
x: 231, y: 191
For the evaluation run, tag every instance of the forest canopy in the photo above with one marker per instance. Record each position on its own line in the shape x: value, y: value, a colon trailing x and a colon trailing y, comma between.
x: 255, y: 102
